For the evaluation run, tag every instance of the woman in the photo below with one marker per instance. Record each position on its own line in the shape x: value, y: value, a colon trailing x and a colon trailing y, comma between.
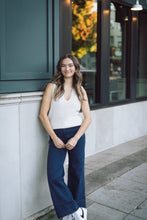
x: 63, y: 99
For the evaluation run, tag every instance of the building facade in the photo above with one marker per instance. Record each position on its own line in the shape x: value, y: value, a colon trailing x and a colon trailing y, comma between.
x: 109, y: 40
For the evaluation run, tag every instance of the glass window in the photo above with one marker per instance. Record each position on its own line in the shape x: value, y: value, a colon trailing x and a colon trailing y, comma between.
x: 84, y: 41
x: 118, y: 48
x: 141, y: 89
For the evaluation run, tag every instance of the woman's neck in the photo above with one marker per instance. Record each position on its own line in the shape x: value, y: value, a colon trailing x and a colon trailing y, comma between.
x: 68, y: 82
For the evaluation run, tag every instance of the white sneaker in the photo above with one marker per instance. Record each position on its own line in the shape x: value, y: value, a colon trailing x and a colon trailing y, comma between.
x: 67, y: 217
x: 80, y: 214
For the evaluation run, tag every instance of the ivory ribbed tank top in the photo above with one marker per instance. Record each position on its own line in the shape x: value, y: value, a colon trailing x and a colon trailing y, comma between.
x: 65, y: 113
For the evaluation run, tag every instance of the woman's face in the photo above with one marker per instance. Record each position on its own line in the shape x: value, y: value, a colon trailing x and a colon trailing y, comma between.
x: 67, y: 68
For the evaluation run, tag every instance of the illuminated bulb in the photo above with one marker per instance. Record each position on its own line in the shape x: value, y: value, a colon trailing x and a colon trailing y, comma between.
x: 137, y: 6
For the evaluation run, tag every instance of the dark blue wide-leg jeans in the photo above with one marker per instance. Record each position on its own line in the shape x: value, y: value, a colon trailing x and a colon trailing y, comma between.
x: 67, y: 198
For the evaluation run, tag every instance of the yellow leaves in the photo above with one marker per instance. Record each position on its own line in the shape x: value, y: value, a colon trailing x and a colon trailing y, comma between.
x: 75, y: 33
x: 84, y: 34
x: 93, y: 48
x: 80, y: 18
x: 81, y: 32
x: 88, y: 22
x: 84, y: 28
x: 94, y: 16
x: 80, y: 52
x: 74, y: 8
x: 89, y: 6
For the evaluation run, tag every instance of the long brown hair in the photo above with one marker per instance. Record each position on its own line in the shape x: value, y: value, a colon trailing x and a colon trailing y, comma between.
x: 59, y: 78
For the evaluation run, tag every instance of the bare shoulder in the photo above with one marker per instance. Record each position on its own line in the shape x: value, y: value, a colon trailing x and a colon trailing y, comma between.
x: 49, y: 86
x: 48, y: 89
x: 83, y: 90
x: 84, y: 94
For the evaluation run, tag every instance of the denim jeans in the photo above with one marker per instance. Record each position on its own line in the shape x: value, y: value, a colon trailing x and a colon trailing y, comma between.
x: 66, y: 198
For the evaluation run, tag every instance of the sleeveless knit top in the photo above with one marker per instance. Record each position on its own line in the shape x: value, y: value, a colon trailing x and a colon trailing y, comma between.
x: 65, y: 113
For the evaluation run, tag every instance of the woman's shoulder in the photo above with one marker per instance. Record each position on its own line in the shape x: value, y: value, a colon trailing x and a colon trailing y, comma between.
x: 85, y: 98
x: 49, y: 89
x: 50, y: 86
x: 83, y: 90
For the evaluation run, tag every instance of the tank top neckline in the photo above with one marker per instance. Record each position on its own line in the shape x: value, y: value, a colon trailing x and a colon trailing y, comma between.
x: 65, y: 113
x: 67, y: 100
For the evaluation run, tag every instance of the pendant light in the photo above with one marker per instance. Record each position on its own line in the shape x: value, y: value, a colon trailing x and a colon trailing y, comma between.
x: 137, y: 6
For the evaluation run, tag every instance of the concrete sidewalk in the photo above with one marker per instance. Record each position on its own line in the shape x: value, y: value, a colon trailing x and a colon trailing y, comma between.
x: 116, y: 183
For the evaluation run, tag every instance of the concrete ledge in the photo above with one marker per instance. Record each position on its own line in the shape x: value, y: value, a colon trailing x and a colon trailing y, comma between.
x: 15, y: 98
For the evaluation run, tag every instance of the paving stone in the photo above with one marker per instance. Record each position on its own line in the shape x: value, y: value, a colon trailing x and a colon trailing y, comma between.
x: 131, y: 217
x: 100, y: 160
x: 139, y: 174
x: 99, y: 177
x: 141, y: 210
x: 89, y: 202
x: 99, y: 212
x: 50, y: 216
x: 128, y: 186
x: 110, y: 196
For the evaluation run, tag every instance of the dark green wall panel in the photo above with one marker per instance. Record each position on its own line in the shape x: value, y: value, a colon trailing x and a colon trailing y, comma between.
x: 29, y: 44
x: 23, y: 86
x: 26, y: 36
x: 26, y: 39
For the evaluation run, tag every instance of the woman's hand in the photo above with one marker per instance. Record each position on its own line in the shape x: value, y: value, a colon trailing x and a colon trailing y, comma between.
x: 58, y: 143
x: 71, y: 143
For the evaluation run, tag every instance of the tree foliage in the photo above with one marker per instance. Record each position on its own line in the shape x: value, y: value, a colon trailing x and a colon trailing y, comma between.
x: 84, y: 27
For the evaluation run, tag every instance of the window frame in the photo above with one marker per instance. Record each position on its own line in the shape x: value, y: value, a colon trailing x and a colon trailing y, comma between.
x: 102, y: 92
x: 103, y: 45
x: 138, y: 97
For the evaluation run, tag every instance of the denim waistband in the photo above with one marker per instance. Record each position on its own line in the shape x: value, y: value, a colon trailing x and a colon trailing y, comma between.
x: 68, y: 129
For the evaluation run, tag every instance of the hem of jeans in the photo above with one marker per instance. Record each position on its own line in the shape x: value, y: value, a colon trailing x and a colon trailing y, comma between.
x: 73, y: 208
x: 81, y: 203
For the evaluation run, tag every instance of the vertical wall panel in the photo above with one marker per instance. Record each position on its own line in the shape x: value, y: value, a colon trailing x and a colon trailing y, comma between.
x: 26, y: 39
x: 10, y: 193
x: 34, y: 150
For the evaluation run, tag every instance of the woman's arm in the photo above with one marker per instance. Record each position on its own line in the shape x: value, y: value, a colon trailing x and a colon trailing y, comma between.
x: 85, y: 124
x: 45, y: 106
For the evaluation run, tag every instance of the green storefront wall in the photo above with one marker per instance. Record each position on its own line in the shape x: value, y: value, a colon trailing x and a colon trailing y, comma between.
x: 29, y: 46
